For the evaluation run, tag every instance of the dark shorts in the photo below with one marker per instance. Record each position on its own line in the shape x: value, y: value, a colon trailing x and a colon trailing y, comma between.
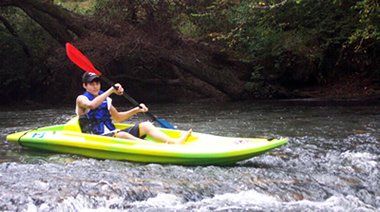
x: 133, y: 130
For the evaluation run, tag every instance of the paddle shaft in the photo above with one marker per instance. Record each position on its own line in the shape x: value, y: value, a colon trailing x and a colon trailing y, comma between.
x: 129, y: 98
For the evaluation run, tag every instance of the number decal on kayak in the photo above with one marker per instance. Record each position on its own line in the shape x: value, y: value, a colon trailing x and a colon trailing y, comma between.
x: 38, y: 135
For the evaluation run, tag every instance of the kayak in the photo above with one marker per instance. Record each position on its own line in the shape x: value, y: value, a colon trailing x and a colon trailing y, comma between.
x: 199, y: 148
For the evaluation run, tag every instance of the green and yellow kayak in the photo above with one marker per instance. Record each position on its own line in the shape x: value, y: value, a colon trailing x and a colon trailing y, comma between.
x: 199, y: 149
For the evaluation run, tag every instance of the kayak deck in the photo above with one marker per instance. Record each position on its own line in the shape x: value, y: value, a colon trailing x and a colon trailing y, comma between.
x: 199, y: 149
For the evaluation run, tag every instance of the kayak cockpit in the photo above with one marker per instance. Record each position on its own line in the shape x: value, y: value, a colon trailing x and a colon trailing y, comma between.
x: 73, y: 126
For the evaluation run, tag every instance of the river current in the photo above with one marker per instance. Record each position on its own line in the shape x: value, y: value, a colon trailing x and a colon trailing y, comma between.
x: 331, y: 163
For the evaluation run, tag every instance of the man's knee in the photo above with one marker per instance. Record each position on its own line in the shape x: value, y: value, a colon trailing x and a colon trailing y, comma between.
x: 146, y: 126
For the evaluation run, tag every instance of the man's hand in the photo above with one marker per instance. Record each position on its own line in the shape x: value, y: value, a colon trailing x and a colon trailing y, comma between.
x: 120, y: 90
x: 142, y: 108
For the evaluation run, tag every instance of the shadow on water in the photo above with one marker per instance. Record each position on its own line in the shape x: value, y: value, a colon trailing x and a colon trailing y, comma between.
x: 330, y: 163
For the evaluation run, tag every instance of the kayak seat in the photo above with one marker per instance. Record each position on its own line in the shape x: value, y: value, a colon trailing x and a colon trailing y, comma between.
x: 72, y: 125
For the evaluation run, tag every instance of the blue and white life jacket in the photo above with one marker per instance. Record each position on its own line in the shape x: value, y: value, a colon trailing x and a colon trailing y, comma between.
x: 98, y: 120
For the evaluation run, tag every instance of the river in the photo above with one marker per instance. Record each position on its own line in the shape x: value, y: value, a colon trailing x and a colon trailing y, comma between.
x: 331, y: 163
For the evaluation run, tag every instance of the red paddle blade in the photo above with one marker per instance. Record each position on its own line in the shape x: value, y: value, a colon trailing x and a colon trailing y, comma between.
x: 80, y: 60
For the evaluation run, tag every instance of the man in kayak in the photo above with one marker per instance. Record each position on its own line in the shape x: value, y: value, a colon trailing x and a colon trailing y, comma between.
x: 96, y: 112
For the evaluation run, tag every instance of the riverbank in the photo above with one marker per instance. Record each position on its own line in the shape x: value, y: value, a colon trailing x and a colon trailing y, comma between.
x: 311, y: 101
x: 353, y: 89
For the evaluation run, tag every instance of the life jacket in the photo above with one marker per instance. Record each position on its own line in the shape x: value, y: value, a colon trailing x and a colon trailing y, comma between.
x: 96, y: 120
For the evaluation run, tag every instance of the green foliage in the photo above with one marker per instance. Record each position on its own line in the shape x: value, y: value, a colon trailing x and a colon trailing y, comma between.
x: 186, y: 27
x: 208, y: 18
x: 369, y: 23
x: 293, y: 42
x: 86, y: 7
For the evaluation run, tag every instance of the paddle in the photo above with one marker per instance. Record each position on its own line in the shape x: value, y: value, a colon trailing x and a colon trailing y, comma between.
x: 85, y: 64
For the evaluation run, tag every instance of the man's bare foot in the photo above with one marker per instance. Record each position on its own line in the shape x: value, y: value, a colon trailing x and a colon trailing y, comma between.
x: 184, y: 137
x: 181, y: 139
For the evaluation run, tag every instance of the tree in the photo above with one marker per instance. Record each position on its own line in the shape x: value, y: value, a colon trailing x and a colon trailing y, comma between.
x: 154, y: 53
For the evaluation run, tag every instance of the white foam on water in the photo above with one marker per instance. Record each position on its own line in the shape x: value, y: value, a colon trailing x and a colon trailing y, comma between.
x: 256, y: 201
x: 219, y: 202
x: 245, y: 199
x: 334, y: 203
x: 361, y: 161
x: 251, y: 200
x: 85, y: 203
x: 162, y: 200
x: 30, y: 207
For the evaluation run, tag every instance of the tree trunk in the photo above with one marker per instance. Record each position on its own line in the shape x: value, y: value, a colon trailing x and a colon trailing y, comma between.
x: 222, y: 79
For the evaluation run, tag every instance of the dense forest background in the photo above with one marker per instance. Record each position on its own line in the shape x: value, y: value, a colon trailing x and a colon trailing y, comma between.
x: 180, y: 50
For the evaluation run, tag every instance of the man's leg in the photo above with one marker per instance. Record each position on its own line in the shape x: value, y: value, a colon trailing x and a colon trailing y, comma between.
x: 147, y: 128
x: 122, y: 134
